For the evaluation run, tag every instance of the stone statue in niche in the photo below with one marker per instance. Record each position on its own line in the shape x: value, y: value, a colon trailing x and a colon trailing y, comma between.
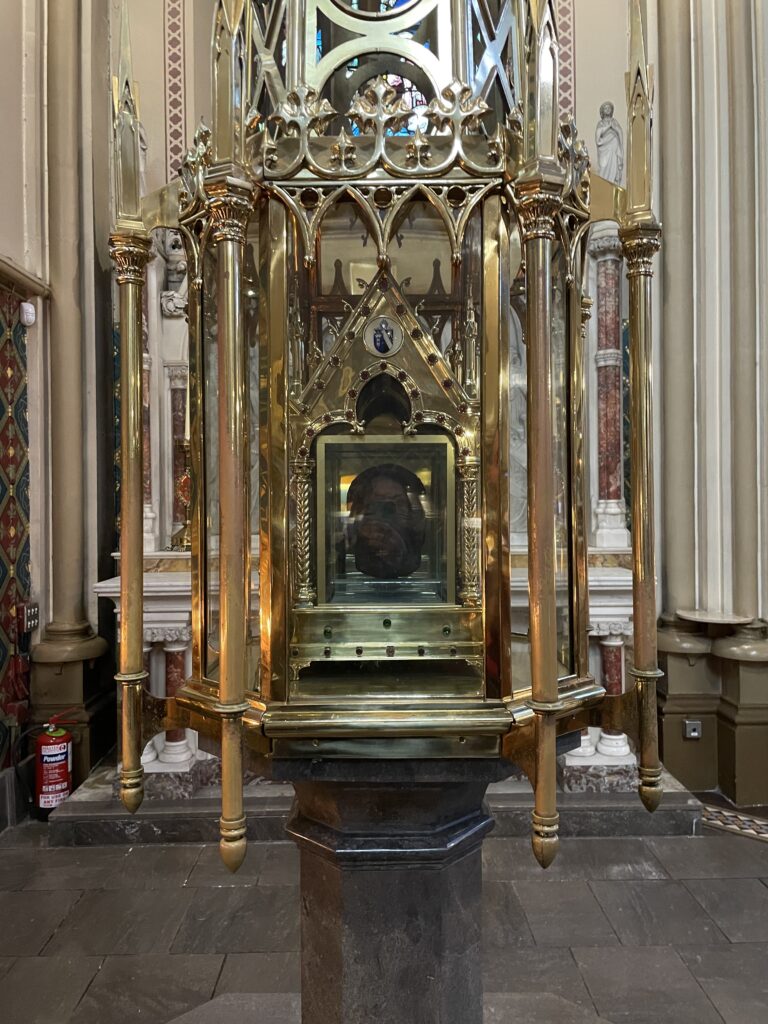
x: 609, y: 139
x: 173, y: 298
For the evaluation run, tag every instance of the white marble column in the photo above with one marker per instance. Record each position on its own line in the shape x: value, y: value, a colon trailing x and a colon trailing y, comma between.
x: 743, y: 326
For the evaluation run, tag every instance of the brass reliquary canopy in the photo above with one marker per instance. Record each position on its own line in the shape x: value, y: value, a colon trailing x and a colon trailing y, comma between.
x: 386, y: 229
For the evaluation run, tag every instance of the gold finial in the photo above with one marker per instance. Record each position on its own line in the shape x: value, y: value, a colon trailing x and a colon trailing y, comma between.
x: 125, y: 129
x: 233, y: 12
x: 639, y: 121
x: 542, y: 72
x: 232, y: 79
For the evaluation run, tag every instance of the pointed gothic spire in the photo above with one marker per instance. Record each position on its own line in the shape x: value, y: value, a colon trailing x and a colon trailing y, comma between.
x: 232, y: 76
x: 125, y: 129
x: 639, y: 119
x: 542, y: 86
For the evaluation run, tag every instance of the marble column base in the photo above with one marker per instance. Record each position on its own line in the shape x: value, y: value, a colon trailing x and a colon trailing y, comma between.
x: 391, y: 887
x: 597, y: 774
x: 613, y: 744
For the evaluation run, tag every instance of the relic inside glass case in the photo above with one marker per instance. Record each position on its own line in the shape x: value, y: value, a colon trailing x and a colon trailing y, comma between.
x: 386, y: 520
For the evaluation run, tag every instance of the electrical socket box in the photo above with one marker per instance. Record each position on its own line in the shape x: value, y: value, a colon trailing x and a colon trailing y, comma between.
x: 29, y: 616
x: 691, y: 729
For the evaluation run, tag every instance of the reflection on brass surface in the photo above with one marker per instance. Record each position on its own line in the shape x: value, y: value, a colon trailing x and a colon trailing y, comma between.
x: 358, y: 230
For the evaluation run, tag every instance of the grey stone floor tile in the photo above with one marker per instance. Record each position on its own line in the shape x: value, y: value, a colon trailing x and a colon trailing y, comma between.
x: 28, y: 834
x: 711, y: 856
x: 74, y: 867
x: 243, y: 920
x: 531, y: 970
x: 37, y: 991
x: 260, y: 972
x: 270, y: 1008
x: 643, y: 985
x: 6, y: 963
x: 738, y: 906
x: 150, y: 989
x: 14, y: 867
x: 513, y: 860
x: 121, y: 921
x: 30, y: 918
x: 655, y: 913
x: 734, y: 977
x: 565, y: 914
x: 210, y: 870
x: 504, y: 923
x: 155, y: 867
x: 534, y: 1008
x: 281, y: 865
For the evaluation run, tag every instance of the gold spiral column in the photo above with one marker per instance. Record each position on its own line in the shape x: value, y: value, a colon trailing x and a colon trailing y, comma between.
x: 230, y: 206
x: 305, y: 592
x: 131, y: 254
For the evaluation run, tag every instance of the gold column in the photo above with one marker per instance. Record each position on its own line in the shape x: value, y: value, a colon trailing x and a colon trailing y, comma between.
x: 640, y: 236
x: 496, y: 564
x: 469, y: 473
x: 230, y: 207
x: 538, y: 208
x: 640, y: 245
x: 305, y: 590
x: 131, y: 254
x: 581, y: 311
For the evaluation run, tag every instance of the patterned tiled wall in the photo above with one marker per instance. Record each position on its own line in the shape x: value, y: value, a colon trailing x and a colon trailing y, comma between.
x: 14, y: 491
x: 566, y: 29
x: 176, y: 127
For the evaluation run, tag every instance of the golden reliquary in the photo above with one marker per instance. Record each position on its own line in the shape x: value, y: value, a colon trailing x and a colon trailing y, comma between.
x: 386, y: 228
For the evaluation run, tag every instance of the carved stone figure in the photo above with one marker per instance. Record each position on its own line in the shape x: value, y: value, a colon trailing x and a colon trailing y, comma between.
x: 175, y: 259
x: 609, y: 139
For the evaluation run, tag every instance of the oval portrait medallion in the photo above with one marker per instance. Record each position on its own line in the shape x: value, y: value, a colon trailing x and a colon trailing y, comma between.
x: 383, y: 336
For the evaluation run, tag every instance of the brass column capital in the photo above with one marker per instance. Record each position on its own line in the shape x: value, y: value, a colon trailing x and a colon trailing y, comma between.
x: 130, y: 253
x: 230, y: 208
x: 640, y: 244
x: 538, y: 204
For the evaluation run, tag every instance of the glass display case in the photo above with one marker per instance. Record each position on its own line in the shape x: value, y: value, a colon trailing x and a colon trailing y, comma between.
x: 386, y: 521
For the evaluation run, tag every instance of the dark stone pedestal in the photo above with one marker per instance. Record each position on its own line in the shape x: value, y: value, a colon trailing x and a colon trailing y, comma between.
x: 391, y: 884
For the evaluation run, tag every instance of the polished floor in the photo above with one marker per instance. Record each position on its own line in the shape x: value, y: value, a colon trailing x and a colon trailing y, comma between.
x: 625, y: 931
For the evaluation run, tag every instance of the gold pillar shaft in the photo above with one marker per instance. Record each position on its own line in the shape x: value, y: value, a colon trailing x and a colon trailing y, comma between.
x: 274, y: 560
x: 197, y: 426
x: 495, y: 586
x: 130, y: 254
x: 538, y: 210
x: 541, y: 487
x: 580, y: 311
x: 229, y: 213
x: 640, y: 244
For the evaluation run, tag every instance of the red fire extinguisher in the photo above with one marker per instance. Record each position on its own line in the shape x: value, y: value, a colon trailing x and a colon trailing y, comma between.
x: 53, y: 766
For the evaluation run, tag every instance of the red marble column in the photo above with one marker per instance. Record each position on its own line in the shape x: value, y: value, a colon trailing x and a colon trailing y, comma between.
x: 612, y: 742
x: 609, y: 378
x: 610, y: 510
x: 176, y: 749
